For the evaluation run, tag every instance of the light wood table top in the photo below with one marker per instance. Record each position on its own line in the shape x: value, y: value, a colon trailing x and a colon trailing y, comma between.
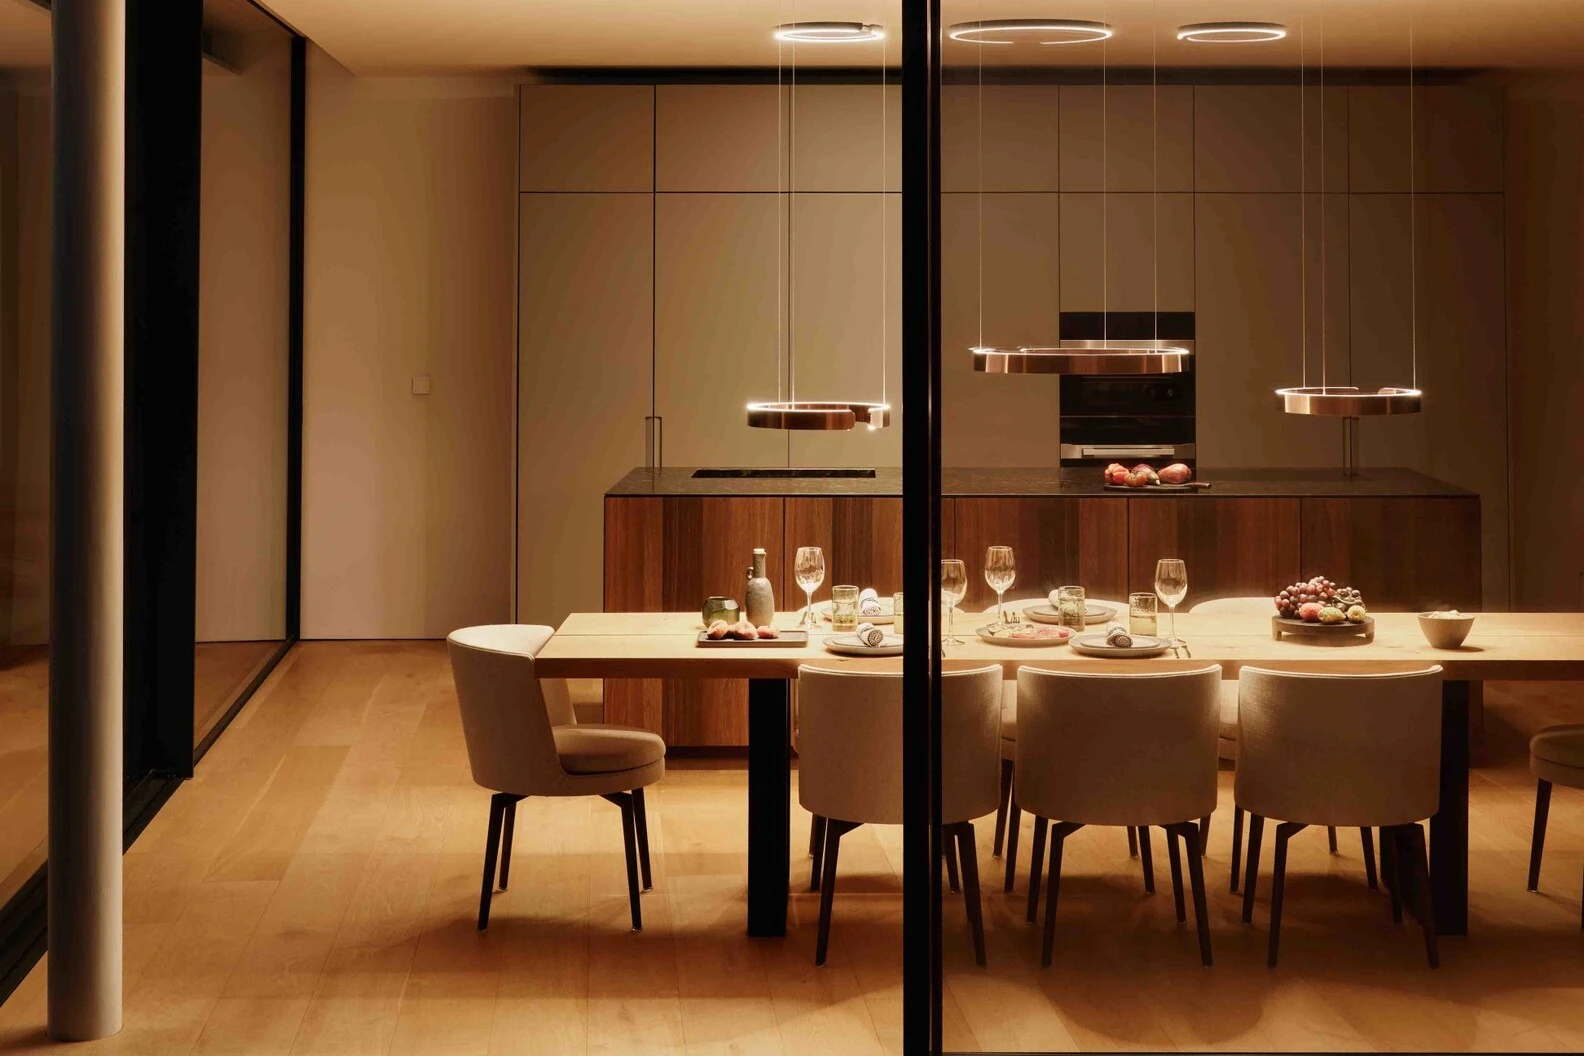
x: 1506, y: 646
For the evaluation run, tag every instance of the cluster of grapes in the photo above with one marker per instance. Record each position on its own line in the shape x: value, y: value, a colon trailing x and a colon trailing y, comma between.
x: 1320, y: 590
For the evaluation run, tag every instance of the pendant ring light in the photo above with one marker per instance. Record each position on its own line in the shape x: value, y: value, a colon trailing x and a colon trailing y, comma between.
x: 1231, y: 32
x: 1349, y: 401
x: 1048, y: 31
x: 829, y: 415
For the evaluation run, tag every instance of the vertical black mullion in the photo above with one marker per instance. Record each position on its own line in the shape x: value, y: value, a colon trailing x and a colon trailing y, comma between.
x: 921, y: 529
x: 163, y: 161
x: 294, y: 338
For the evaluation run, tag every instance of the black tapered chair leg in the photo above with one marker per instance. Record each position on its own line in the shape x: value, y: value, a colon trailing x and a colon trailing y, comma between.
x: 949, y: 852
x: 491, y: 850
x: 1537, y: 843
x: 1204, y: 834
x: 1201, y: 907
x: 1001, y: 807
x: 1414, y: 866
x: 1014, y: 826
x: 506, y: 842
x: 1036, y: 863
x: 1237, y: 845
x: 1251, y: 873
x: 968, y: 853
x: 833, y: 834
x: 641, y: 816
x: 1331, y: 838
x: 630, y: 845
x: 1059, y: 834
x: 1284, y: 833
x: 817, y: 843
x: 1146, y: 859
x: 1132, y: 842
x: 1368, y: 839
x: 1172, y: 834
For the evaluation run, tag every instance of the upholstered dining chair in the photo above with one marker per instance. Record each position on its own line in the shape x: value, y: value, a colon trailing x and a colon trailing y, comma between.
x: 1556, y: 756
x: 1350, y: 750
x: 1262, y: 608
x: 1134, y: 750
x: 523, y: 739
x: 850, y: 767
x: 1009, y: 816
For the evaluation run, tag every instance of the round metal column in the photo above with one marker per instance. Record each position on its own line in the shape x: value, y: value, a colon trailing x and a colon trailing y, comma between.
x: 86, y: 378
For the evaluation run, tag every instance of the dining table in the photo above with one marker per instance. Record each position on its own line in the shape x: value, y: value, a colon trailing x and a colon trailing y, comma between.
x: 1506, y: 646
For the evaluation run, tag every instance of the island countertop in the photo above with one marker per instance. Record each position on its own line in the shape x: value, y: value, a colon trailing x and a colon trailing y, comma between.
x: 986, y: 482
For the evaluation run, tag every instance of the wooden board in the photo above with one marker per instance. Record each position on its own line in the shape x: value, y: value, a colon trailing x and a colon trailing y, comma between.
x: 1403, y: 554
x: 1233, y: 547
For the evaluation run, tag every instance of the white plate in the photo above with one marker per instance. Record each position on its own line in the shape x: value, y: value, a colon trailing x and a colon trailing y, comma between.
x: 849, y: 645
x: 1048, y: 614
x: 1025, y: 643
x: 822, y: 609
x: 1096, y: 645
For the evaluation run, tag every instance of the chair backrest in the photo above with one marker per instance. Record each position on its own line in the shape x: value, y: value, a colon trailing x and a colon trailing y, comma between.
x: 1352, y: 750
x: 1117, y: 749
x: 506, y: 717
x: 1255, y: 606
x: 850, y: 744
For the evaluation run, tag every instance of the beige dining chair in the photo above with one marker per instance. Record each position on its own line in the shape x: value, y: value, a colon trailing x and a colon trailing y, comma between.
x: 1262, y: 608
x: 1118, y: 749
x: 1349, y: 750
x: 1556, y: 756
x: 850, y: 767
x: 1009, y: 816
x: 523, y: 739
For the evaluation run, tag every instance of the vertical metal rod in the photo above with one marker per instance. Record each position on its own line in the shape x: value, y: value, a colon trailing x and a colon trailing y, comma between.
x: 921, y: 527
x: 86, y: 475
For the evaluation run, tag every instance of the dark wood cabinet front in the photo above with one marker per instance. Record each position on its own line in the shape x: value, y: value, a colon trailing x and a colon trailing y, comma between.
x: 1404, y: 554
x: 1233, y: 547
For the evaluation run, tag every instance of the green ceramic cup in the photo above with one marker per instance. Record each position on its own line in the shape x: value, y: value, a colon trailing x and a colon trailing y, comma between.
x: 718, y: 608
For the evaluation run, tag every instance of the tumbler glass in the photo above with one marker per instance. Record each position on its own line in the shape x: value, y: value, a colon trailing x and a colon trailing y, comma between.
x: 844, y: 608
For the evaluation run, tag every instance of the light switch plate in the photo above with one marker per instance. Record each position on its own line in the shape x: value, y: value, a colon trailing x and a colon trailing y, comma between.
x: 420, y: 385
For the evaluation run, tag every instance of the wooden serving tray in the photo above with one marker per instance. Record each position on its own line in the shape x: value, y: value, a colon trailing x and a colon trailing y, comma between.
x: 1192, y: 485
x: 791, y: 639
x: 1284, y: 626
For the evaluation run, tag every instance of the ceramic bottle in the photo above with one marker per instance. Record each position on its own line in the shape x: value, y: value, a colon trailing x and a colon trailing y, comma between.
x: 760, y: 605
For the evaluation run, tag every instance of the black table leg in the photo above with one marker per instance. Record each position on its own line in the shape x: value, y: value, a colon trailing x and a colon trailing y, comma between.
x: 1449, y: 826
x: 769, y: 803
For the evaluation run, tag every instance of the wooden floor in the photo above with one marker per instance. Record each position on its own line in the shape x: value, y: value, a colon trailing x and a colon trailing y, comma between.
x: 313, y: 891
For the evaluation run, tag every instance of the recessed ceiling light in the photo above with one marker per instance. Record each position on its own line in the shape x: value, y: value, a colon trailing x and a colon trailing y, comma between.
x: 829, y: 32
x: 1026, y: 30
x: 1231, y: 32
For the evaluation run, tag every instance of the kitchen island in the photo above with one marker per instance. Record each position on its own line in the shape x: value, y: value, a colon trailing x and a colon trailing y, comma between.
x: 675, y: 536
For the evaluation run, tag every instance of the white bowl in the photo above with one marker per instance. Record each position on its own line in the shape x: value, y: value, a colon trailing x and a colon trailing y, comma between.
x: 1445, y: 632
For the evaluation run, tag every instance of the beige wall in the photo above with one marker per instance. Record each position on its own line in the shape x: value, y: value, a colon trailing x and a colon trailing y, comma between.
x: 407, y: 500
x: 1272, y: 275
x: 244, y: 274
x: 1545, y: 284
x: 24, y: 361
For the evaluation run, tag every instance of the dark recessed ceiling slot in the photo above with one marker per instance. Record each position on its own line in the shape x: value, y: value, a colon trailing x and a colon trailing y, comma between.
x: 785, y: 474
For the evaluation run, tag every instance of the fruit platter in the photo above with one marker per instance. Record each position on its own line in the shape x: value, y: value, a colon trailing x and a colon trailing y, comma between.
x: 1320, y: 608
x: 1023, y: 634
x: 1175, y: 477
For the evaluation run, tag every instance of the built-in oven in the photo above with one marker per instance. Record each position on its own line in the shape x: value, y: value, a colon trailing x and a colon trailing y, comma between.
x: 1128, y: 418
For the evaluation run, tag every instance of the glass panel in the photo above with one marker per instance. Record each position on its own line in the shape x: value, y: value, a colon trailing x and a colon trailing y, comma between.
x: 25, y: 167
x: 242, y: 359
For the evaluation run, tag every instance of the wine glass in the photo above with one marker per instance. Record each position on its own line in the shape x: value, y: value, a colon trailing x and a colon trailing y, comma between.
x: 810, y: 571
x: 1171, y: 584
x: 999, y: 573
x: 954, y: 584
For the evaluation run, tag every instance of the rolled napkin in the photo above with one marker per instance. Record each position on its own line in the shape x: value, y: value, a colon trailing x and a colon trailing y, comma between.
x: 869, y: 602
x: 1118, y: 636
x: 1054, y: 597
x: 870, y: 635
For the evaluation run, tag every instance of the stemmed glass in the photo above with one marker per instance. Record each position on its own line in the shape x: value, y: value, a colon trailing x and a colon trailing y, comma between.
x: 810, y: 572
x: 999, y: 573
x: 954, y: 584
x: 1171, y: 584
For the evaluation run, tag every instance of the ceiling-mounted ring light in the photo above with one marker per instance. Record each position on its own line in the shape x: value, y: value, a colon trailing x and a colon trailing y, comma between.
x: 828, y: 416
x: 1231, y: 32
x: 1031, y: 30
x: 829, y: 32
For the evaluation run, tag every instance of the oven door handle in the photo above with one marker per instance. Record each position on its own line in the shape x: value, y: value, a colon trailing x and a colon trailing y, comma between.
x: 1126, y: 451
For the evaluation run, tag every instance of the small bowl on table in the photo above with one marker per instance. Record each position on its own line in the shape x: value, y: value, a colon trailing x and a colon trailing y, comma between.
x: 1445, y: 631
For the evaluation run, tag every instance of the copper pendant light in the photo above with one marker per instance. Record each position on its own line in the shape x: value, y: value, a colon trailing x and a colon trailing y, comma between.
x: 1349, y: 402
x: 822, y: 415
x: 1085, y: 357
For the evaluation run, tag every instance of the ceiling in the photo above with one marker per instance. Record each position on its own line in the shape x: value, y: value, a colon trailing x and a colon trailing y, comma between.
x: 498, y: 34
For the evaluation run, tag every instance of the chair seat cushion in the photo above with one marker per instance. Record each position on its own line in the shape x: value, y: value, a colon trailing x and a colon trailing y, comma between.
x: 1229, y: 709
x: 1563, y: 745
x: 597, y: 748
